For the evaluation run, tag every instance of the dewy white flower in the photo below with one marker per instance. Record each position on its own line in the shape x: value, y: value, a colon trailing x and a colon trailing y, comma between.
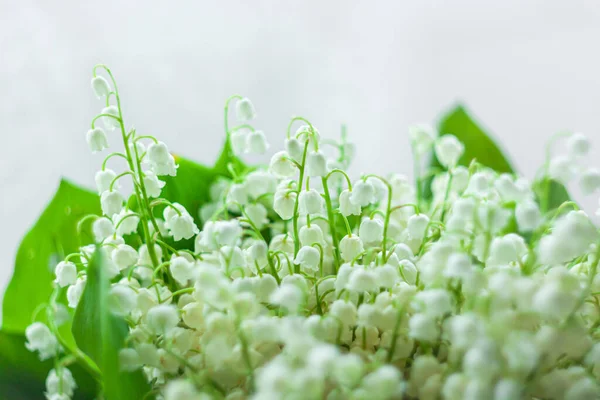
x: 66, y: 273
x: 578, y: 145
x: 421, y: 137
x: 111, y: 122
x: 96, y: 139
x: 244, y: 109
x: 111, y: 202
x: 362, y: 193
x: 590, y: 181
x: 350, y: 247
x: 153, y: 184
x: 308, y: 258
x: 448, y: 150
x: 162, y: 318
x: 316, y: 164
x: 102, y: 228
x: 310, y: 202
x: 60, y: 382
x: 40, y: 339
x: 104, y: 178
x: 281, y: 165
x: 179, y: 222
x: 283, y: 205
x: 371, y: 231
x: 257, y: 142
x: 347, y: 207
x: 100, y: 86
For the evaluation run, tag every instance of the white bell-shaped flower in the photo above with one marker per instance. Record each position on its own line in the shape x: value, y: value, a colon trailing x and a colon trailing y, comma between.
x: 308, y: 258
x: 100, y: 86
x: 122, y: 299
x: 40, y: 339
x: 423, y: 327
x: 180, y: 224
x: 417, y: 226
x: 281, y: 165
x: 181, y: 389
x: 590, y: 181
x: 75, y: 291
x: 316, y: 164
x: 124, y: 256
x: 127, y: 222
x: 257, y: 213
x: 562, y: 169
x: 311, y: 234
x: 371, y: 231
x: 239, y: 141
x: 153, y: 184
x: 362, y: 280
x: 288, y: 296
x: 66, y: 273
x: 244, y: 109
x: 60, y: 382
x: 436, y: 302
x: 158, y: 153
x: 111, y: 202
x: 295, y: 149
x: 422, y: 137
x: 259, y: 183
x: 387, y: 276
x: 104, y: 178
x: 528, y: 215
x: 111, y: 123
x: 448, y: 150
x: 362, y: 193
x: 162, y: 318
x: 257, y: 143
x: 283, y: 205
x: 102, y: 228
x: 578, y: 145
x: 96, y: 139
x: 350, y: 247
x: 310, y: 202
x: 347, y: 207
x: 227, y: 233
x: 182, y: 270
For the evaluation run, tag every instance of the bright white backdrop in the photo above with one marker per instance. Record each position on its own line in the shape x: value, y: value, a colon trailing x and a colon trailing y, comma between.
x: 525, y: 68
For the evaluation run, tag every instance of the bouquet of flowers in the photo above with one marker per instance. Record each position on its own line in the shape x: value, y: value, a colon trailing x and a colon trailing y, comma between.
x: 295, y: 280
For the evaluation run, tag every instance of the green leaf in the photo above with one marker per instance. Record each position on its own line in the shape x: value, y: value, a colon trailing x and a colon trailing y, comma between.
x: 555, y: 192
x: 101, y: 335
x: 23, y: 375
x: 52, y: 237
x: 478, y: 144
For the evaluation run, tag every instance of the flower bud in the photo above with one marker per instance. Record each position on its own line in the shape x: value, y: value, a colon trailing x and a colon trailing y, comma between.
x: 104, y: 178
x: 100, y: 86
x: 316, y: 164
x: 347, y: 207
x: 371, y: 231
x: 350, y: 247
x: 66, y: 273
x: 96, y: 139
x: 244, y: 110
x: 257, y: 143
x: 308, y: 258
x: 310, y: 202
x: 448, y: 150
x: 281, y: 165
x: 111, y: 202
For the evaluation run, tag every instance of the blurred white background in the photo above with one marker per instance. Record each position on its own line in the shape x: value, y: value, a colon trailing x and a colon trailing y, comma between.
x: 526, y: 69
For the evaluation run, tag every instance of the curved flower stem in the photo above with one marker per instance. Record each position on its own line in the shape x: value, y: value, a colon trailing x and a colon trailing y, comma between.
x: 331, y: 220
x: 111, y: 155
x: 388, y: 213
x: 297, y: 203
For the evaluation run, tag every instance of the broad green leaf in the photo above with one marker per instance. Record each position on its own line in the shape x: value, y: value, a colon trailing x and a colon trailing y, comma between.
x: 101, y: 335
x: 478, y: 144
x: 550, y: 193
x: 23, y: 375
x: 52, y: 237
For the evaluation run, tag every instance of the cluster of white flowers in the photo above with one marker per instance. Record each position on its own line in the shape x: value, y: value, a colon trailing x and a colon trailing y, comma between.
x: 304, y: 284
